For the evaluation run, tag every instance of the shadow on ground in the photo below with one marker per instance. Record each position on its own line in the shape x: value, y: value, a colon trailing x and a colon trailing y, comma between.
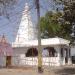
x: 65, y: 71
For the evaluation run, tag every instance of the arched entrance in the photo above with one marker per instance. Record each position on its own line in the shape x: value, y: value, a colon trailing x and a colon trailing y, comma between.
x: 32, y: 52
x: 65, y: 52
x: 50, y: 51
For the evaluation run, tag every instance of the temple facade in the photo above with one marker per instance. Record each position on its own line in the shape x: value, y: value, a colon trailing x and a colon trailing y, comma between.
x: 55, y: 51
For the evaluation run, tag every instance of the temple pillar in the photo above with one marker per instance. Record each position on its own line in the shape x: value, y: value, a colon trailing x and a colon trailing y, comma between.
x: 62, y: 55
x: 69, y: 57
x: 59, y: 56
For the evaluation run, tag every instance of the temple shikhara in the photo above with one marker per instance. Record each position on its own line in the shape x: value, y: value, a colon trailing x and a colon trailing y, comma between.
x: 24, y: 49
x: 26, y: 28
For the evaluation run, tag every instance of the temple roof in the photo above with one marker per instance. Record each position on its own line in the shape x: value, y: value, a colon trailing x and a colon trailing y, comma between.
x: 44, y: 42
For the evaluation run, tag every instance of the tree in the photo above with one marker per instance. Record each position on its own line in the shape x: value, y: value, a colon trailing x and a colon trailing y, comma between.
x: 69, y: 16
x: 49, y: 24
x: 52, y: 25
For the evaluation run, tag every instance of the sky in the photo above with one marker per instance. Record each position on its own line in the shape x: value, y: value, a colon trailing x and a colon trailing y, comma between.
x: 9, y: 26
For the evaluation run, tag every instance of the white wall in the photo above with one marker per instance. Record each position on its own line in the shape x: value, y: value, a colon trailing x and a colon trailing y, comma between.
x: 73, y: 51
x: 2, y: 61
x: 20, y: 59
x: 18, y: 51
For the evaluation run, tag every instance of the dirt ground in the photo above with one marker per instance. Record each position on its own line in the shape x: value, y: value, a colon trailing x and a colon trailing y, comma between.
x: 67, y: 70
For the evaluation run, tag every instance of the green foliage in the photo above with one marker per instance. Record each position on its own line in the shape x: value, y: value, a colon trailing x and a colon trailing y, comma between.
x: 59, y: 23
x: 69, y: 12
x: 69, y: 16
x: 51, y: 26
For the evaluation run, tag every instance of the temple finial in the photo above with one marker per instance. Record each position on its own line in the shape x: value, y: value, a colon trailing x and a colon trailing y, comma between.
x: 3, y: 39
x: 26, y: 7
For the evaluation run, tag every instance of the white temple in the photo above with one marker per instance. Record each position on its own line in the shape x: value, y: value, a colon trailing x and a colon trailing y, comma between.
x: 25, y: 44
x: 25, y: 47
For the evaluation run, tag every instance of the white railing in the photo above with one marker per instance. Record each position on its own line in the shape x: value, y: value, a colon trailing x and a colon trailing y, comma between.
x: 51, y: 61
x: 33, y: 61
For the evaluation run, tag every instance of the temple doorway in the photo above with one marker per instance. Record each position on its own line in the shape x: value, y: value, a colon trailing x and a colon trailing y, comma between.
x: 8, y: 61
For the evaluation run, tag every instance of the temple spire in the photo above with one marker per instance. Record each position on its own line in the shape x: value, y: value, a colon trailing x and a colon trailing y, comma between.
x: 3, y: 39
x: 26, y: 28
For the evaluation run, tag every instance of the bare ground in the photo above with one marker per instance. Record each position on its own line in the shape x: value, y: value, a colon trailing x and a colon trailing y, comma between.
x: 63, y: 70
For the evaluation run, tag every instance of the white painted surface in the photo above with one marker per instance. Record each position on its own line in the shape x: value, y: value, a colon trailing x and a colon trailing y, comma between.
x: 19, y: 53
x: 73, y: 51
x: 26, y: 28
x: 45, y: 53
x: 19, y: 58
x: 32, y: 61
x: 29, y: 61
x: 2, y: 61
x: 45, y: 42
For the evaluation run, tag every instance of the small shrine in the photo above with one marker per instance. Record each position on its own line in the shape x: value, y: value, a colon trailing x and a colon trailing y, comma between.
x: 6, y: 52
